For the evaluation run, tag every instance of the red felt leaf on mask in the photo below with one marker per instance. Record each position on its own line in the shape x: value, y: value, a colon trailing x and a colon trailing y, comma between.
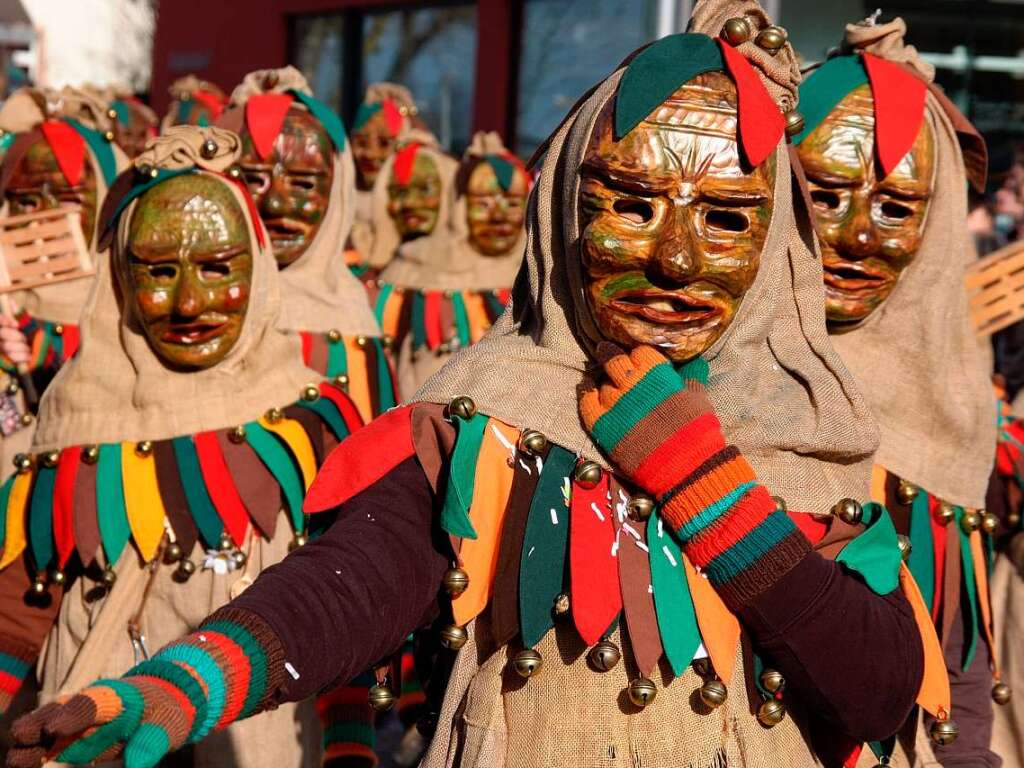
x: 213, y: 103
x: 899, y: 109
x: 264, y: 116
x: 68, y: 147
x: 761, y: 122
x: 392, y: 116
x: 405, y: 158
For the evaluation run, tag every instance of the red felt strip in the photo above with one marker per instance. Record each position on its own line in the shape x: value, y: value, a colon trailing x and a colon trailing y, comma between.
x: 392, y: 116
x: 593, y: 561
x: 809, y: 526
x: 761, y: 123
x: 362, y: 459
x: 939, y: 545
x: 405, y: 159
x: 345, y: 405
x: 264, y: 116
x: 256, y: 485
x: 221, y: 486
x: 432, y: 319
x: 64, y: 502
x: 68, y: 147
x: 503, y: 294
x: 85, y: 521
x: 213, y: 103
x: 71, y: 339
x: 307, y: 346
x: 899, y: 109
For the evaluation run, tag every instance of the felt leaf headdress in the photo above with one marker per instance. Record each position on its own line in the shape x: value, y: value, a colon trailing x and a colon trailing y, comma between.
x: 265, y: 114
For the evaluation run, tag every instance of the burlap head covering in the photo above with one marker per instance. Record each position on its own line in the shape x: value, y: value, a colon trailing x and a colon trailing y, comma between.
x: 915, y: 358
x: 385, y: 241
x: 116, y: 389
x: 445, y: 259
x: 185, y: 87
x: 318, y: 292
x: 780, y: 391
x: 24, y: 111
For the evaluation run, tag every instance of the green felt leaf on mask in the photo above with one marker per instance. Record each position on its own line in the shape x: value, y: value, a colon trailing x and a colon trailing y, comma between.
x: 827, y: 86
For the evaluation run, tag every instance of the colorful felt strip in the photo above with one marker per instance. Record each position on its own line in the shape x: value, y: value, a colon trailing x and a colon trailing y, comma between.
x: 934, y: 693
x: 40, y: 520
x: 461, y: 319
x: 221, y: 486
x: 68, y: 147
x: 719, y: 628
x: 64, y: 503
x: 922, y: 548
x: 461, y: 477
x: 199, y: 503
x: 827, y: 86
x: 144, y: 506
x: 264, y: 117
x: 358, y: 377
x: 899, y: 100
x: 298, y: 443
x: 113, y: 519
x: 593, y: 561
x: 875, y: 553
x: 15, y: 539
x: 677, y: 618
x: 969, y: 610
x: 337, y: 358
x: 86, y: 520
x: 326, y: 116
x: 100, y: 148
x: 276, y: 458
x: 5, y: 496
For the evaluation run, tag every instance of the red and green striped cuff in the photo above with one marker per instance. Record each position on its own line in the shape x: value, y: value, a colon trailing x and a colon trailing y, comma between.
x: 15, y: 665
x: 348, y: 722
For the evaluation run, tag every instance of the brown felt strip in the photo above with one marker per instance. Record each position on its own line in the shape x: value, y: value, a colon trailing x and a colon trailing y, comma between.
x: 313, y: 427
x: 446, y: 313
x: 318, y: 353
x: 951, y: 582
x: 256, y: 485
x: 86, y: 524
x: 173, y: 496
x: 434, y: 438
x: 900, y: 513
x: 404, y: 319
x: 373, y: 376
x: 839, y: 534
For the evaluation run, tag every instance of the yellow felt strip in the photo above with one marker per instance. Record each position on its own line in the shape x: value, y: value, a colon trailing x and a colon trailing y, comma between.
x: 392, y: 314
x: 933, y: 695
x: 15, y: 539
x: 981, y: 580
x: 719, y: 629
x: 298, y: 442
x: 358, y: 378
x: 142, y: 501
x: 477, y: 314
x: 492, y: 485
x: 878, y: 476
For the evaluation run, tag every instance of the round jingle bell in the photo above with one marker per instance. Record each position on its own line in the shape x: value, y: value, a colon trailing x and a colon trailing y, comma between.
x: 771, y: 39
x: 274, y: 415
x: 771, y: 713
x: 144, y: 448
x: 849, y: 511
x: 462, y: 407
x: 184, y: 571
x: 26, y: 419
x: 209, y: 149
x: 780, y: 504
x: 361, y: 341
x: 238, y: 558
x: 1001, y: 693
x: 640, y: 506
x: 49, y: 459
x: 1013, y: 519
x: 39, y: 586
x: 300, y: 540
x: 22, y: 463
x: 91, y: 454
x: 641, y: 691
x: 108, y: 136
x: 737, y: 30
x: 794, y: 122
x: 237, y: 435
x: 235, y: 172
x: 713, y: 693
x: 341, y: 381
x: 989, y: 523
x: 454, y: 637
x: 12, y: 388
x: 334, y: 335
x: 588, y: 474
x: 906, y: 492
x: 945, y: 513
x: 112, y: 114
x: 561, y: 605
x: 605, y: 655
x: 903, y: 542
x: 109, y: 577
x: 455, y: 581
x: 527, y: 663
x: 310, y: 392
x: 381, y: 697
x: 226, y: 544
x: 173, y: 553
x: 772, y: 680
x: 58, y: 577
x: 532, y: 442
x: 944, y: 732
x: 970, y: 521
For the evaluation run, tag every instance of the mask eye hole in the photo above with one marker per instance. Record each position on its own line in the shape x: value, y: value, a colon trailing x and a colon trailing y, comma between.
x: 825, y: 199
x: 635, y: 211
x: 726, y: 220
x: 215, y: 271
x: 163, y: 271
x: 897, y: 211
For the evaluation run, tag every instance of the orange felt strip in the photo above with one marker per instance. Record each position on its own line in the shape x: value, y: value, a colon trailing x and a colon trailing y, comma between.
x: 878, y: 476
x: 981, y: 580
x: 358, y: 378
x: 477, y: 313
x: 492, y: 485
x: 934, y: 694
x: 392, y: 314
x: 719, y: 629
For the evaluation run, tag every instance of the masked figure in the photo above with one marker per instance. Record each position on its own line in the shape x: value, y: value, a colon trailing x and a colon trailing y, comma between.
x: 193, y: 102
x: 172, y: 453
x: 443, y: 291
x: 566, y: 519
x: 61, y: 155
x: 134, y: 122
x: 298, y: 167
x: 887, y: 180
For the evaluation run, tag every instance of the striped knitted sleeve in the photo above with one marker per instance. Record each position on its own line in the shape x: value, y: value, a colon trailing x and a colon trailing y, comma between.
x: 16, y: 662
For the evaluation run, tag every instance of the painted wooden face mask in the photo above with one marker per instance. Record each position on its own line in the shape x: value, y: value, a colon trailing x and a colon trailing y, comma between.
x: 291, y: 185
x: 373, y: 141
x: 187, y: 270
x: 673, y: 221
x: 495, y: 214
x: 414, y: 201
x: 870, y: 225
x: 39, y: 184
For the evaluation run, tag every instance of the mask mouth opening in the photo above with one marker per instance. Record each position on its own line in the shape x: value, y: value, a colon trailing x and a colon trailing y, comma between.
x: 665, y: 307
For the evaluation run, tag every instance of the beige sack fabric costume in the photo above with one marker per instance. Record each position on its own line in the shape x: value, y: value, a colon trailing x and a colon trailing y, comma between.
x: 193, y: 102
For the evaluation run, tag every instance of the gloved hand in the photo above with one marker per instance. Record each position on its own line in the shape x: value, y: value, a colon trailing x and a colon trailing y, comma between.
x: 13, y: 344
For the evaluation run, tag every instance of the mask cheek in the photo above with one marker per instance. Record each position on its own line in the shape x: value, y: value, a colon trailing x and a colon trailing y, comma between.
x: 152, y: 304
x: 609, y: 246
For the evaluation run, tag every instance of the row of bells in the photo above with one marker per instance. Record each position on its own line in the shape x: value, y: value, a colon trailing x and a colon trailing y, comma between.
x: 970, y: 521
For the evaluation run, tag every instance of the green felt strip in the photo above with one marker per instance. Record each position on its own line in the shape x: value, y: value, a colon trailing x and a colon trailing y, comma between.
x: 85, y: 750
x: 100, y: 148
x: 364, y: 113
x: 677, y: 617
x: 350, y: 733
x: 382, y: 300
x: 503, y: 169
x: 40, y: 518
x: 657, y: 385
x: 203, y: 121
x: 327, y: 117
x: 657, y: 71
x: 969, y: 591
x: 922, y: 548
x: 123, y: 113
x: 198, y: 497
x: 162, y: 175
x: 545, y: 546
x: 185, y: 109
x: 147, y: 747
x: 328, y: 413
x: 111, y: 512
x: 875, y: 554
x: 461, y: 319
x: 385, y: 385
x: 278, y: 460
x: 210, y: 673
x: 257, y: 661
x: 58, y: 348
x: 5, y: 497
x: 495, y: 303
x: 337, y: 358
x: 418, y: 324
x: 462, y: 477
x: 827, y: 86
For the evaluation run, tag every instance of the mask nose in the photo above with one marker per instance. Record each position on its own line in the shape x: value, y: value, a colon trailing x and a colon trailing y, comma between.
x: 677, y: 256
x: 188, y: 300
x: 858, y: 238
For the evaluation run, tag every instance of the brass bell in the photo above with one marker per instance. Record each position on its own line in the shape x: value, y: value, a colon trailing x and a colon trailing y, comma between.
x: 640, y: 506
x: 58, y: 577
x: 1013, y: 519
x: 237, y: 435
x: 238, y: 558
x: 310, y: 392
x: 588, y: 474
x: 771, y: 39
x: 274, y: 415
x: 22, y: 463
x: 387, y: 341
x: 780, y: 504
x: 771, y: 713
x: 462, y: 407
x: 737, y: 30
x: 341, y: 381
x: 605, y: 655
x: 772, y: 680
x: 27, y: 419
x: 91, y: 454
x: 456, y: 581
x: 527, y: 663
x: 713, y: 693
x: 381, y: 698
x: 144, y: 169
x: 794, y: 122
x: 1001, y: 693
x: 225, y: 542
x: 360, y: 341
x: 946, y: 513
x: 112, y: 114
x: 108, y: 135
x: 300, y: 540
x: 849, y: 511
x: 970, y: 521
x: 641, y: 691
x: 454, y: 637
x: 173, y: 553
x: 944, y: 732
x: 209, y: 149
x: 532, y: 442
x: 235, y: 172
x: 39, y: 586
x: 58, y: 330
x: 561, y: 606
x: 144, y: 448
x: 49, y: 459
x: 989, y: 523
x: 444, y: 348
x: 906, y: 492
x: 109, y: 577
x: 12, y: 388
x: 903, y: 542
x: 334, y: 335
x: 184, y: 571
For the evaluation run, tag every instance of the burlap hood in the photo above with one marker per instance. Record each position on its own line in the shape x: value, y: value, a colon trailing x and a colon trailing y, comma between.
x: 318, y: 292
x: 116, y: 389
x: 24, y: 111
x: 184, y: 88
x: 780, y: 391
x: 445, y: 260
x: 915, y: 358
x: 386, y: 241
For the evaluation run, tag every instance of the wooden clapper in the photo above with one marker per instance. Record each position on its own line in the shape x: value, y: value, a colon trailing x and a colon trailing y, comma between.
x: 995, y: 289
x: 40, y: 248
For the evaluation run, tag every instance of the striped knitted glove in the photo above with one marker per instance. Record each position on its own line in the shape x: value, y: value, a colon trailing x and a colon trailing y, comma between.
x: 199, y: 684
x: 659, y: 429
